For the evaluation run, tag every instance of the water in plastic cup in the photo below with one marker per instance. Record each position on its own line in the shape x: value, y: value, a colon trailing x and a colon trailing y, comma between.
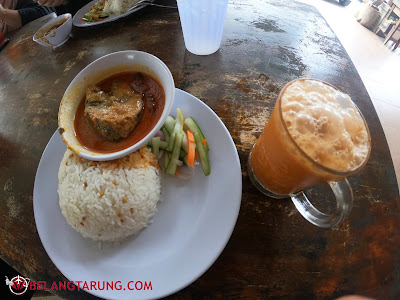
x: 202, y: 24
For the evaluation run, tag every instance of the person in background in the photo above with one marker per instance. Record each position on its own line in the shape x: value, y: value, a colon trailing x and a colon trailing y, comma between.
x: 64, y: 6
x: 16, y: 13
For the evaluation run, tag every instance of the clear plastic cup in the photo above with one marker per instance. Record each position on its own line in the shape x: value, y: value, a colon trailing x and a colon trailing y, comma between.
x: 202, y: 24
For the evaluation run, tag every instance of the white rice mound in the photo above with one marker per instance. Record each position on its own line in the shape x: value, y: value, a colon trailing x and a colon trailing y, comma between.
x: 117, y: 7
x: 109, y: 201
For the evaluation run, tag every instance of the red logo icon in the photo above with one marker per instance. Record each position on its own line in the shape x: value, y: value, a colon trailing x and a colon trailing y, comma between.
x: 18, y: 285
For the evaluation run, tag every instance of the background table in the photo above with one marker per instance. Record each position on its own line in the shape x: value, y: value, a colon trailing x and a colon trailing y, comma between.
x: 273, y: 251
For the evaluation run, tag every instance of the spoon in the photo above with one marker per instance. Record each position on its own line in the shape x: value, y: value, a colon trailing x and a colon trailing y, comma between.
x: 149, y: 2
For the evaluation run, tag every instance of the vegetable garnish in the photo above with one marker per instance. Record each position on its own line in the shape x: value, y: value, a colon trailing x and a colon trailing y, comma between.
x: 191, y: 148
x: 179, y: 144
x: 174, y: 160
x: 202, y: 153
x: 155, y: 146
x: 192, y: 125
x: 95, y: 13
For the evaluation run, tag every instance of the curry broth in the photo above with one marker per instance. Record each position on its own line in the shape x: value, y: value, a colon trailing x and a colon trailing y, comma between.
x: 152, y: 111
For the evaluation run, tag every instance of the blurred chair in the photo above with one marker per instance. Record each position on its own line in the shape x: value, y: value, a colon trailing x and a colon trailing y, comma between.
x: 393, y: 35
x: 384, y: 8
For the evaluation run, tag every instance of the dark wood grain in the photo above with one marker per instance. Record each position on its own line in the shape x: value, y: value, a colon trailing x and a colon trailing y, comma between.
x: 273, y: 251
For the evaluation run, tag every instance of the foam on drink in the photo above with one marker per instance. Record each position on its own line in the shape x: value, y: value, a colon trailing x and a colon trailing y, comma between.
x: 325, y: 124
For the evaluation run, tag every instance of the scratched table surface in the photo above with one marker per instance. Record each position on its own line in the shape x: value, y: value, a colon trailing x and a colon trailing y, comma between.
x: 273, y: 251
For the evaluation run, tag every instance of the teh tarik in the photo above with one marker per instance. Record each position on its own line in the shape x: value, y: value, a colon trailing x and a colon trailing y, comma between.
x: 315, y: 134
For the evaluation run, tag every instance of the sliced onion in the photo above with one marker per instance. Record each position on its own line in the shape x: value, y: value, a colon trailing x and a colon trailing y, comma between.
x: 178, y: 162
x: 159, y: 134
x: 185, y: 172
x: 160, y: 154
x: 161, y: 161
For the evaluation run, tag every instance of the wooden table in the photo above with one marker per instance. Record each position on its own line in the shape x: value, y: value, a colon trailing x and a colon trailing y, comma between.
x: 273, y: 251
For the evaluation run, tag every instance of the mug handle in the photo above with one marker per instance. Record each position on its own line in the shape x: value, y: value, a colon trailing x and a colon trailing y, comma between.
x: 344, y: 197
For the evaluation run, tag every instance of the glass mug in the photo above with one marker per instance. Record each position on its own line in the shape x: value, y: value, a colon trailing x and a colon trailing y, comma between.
x: 315, y: 134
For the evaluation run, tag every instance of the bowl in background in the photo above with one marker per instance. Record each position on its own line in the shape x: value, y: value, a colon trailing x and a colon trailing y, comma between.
x: 100, y: 69
x: 55, y: 32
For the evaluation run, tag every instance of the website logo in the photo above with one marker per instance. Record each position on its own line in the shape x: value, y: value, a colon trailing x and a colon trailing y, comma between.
x: 18, y: 285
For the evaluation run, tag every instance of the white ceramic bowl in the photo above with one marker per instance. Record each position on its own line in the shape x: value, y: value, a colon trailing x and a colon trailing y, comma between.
x: 98, y: 70
x: 57, y: 37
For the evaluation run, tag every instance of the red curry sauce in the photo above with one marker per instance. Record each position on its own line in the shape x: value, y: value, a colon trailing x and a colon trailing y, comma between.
x: 152, y: 111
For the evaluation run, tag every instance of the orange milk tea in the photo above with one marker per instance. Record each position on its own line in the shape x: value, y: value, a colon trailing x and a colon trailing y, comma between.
x: 315, y: 134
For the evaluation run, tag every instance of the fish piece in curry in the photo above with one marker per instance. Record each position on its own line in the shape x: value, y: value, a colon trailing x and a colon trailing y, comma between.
x: 114, y: 114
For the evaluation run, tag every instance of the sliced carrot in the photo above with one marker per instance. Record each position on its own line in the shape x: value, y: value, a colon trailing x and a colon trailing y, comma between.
x: 178, y: 172
x: 191, y: 150
x: 197, y: 155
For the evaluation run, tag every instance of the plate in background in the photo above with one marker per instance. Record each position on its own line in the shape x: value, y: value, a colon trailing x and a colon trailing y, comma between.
x: 79, y: 23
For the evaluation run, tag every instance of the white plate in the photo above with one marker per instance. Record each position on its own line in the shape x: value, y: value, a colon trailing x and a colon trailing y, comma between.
x: 191, y: 228
x: 79, y: 23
